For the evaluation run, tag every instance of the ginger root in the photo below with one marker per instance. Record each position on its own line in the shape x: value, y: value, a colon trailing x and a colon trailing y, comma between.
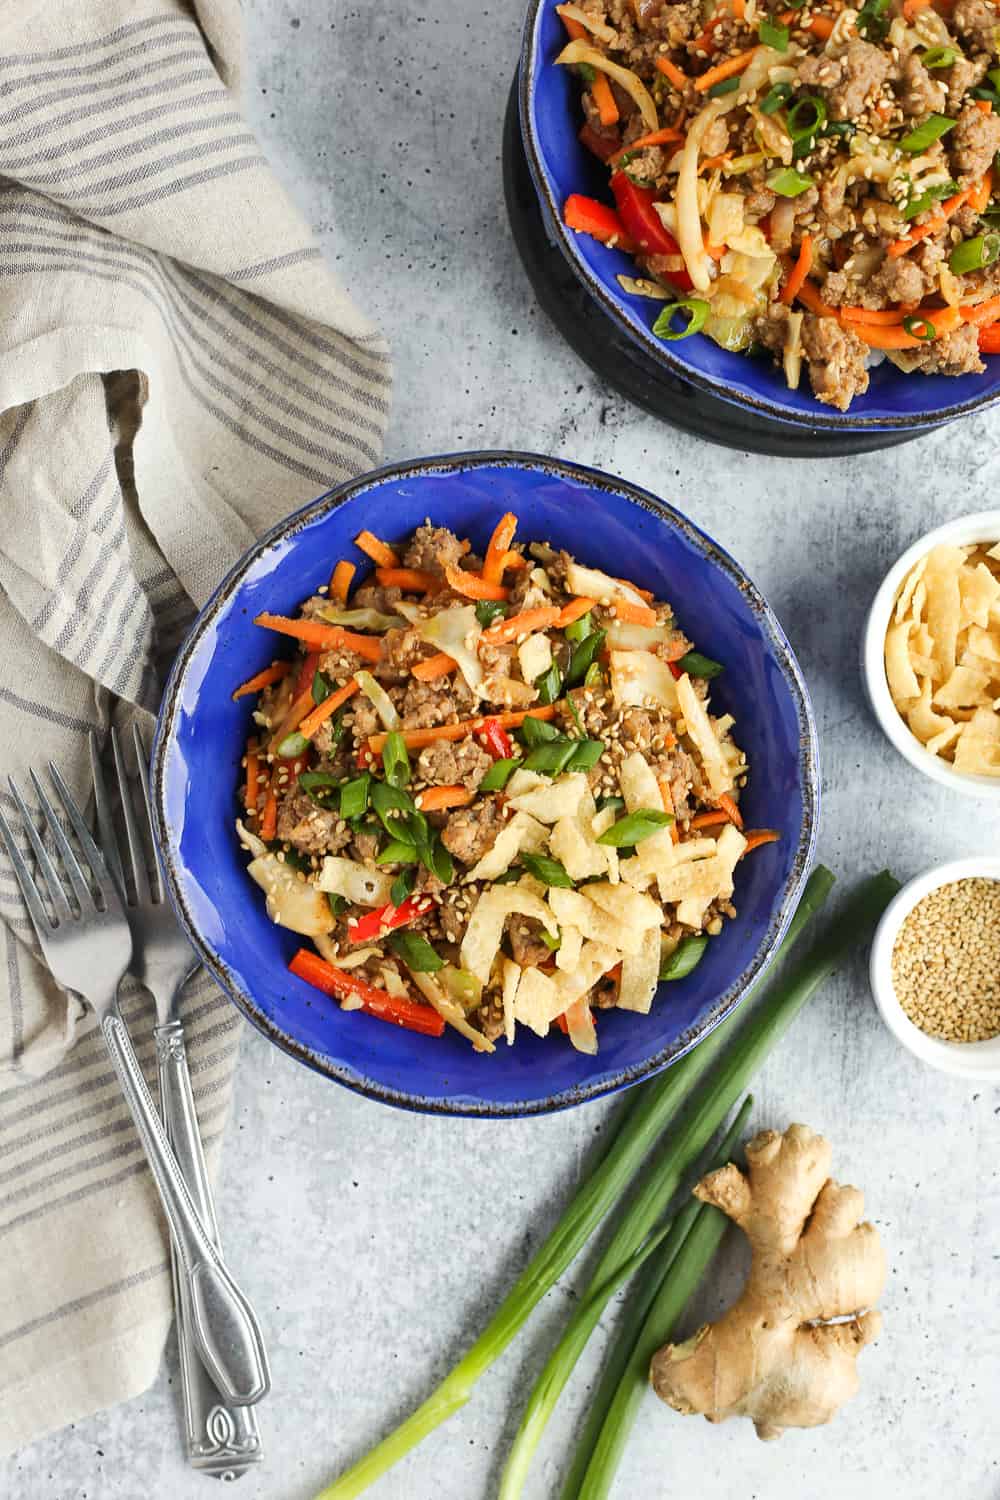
x: 775, y: 1356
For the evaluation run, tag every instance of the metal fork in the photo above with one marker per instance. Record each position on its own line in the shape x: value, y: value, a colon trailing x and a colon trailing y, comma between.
x: 88, y: 947
x: 221, y: 1438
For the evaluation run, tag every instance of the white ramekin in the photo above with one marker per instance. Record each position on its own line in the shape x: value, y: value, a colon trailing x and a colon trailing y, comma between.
x: 978, y: 1060
x: 982, y: 527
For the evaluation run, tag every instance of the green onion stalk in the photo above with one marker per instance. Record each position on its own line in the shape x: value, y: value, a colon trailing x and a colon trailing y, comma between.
x: 663, y: 1292
x: 651, y: 1110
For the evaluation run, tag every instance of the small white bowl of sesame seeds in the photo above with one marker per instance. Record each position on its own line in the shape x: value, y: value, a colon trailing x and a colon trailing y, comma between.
x: 935, y: 967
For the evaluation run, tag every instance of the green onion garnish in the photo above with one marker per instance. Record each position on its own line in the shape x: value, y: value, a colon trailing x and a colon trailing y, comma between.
x: 437, y: 859
x: 487, y: 611
x: 321, y: 688
x: 635, y: 827
x: 354, y: 797
x: 775, y: 98
x: 806, y: 116
x: 552, y: 943
x: 551, y: 758
x: 586, y: 755
x: 536, y: 731
x: 594, y: 675
x: 337, y: 904
x: 498, y: 775
x: 727, y: 86
x: 403, y: 885
x: 615, y: 802
x: 586, y: 71
x: 549, y: 871
x: 788, y: 183
x: 933, y: 128
x: 292, y: 745
x: 696, y: 665
x: 772, y: 35
x: 398, y: 813
x: 928, y: 199
x: 320, y: 785
x: 974, y: 254
x: 939, y: 57
x: 872, y: 23
x: 919, y: 328
x: 686, y: 956
x: 697, y: 311
x: 586, y: 653
x: 415, y: 951
x: 549, y: 685
x: 396, y: 853
x: 396, y: 759
x: 579, y: 629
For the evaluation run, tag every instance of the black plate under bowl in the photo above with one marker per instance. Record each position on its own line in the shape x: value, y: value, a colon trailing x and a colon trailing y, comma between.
x: 628, y: 369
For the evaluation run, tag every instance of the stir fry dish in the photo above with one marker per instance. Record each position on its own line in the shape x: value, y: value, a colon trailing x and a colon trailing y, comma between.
x: 811, y: 181
x: 491, y: 790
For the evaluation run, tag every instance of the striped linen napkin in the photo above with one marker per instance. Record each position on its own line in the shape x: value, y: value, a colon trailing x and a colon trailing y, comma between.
x: 178, y: 369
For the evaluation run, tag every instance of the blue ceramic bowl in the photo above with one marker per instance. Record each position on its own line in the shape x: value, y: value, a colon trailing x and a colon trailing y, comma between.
x: 550, y: 118
x: 201, y: 734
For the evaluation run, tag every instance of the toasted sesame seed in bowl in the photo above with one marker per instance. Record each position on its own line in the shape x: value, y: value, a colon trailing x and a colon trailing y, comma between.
x: 935, y: 967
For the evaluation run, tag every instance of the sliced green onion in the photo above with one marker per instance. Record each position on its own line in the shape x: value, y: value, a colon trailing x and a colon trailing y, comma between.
x: 354, y: 797
x: 575, y: 712
x: 586, y: 72
x: 403, y: 885
x: 919, y: 328
x: 398, y: 814
x: 338, y: 904
x: 939, y: 57
x: 536, y: 731
x: 928, y: 199
x: 727, y: 86
x: 551, y: 758
x: 983, y: 93
x: 994, y: 76
x: 435, y: 857
x: 586, y: 755
x: 552, y: 943
x: 396, y: 759
x: 415, y: 951
x: 933, y: 128
x: 696, y: 665
x: 320, y: 785
x: 839, y: 127
x: 594, y: 675
x: 396, y: 853
x: 615, y: 802
x: 788, y: 183
x: 772, y: 35
x: 775, y: 98
x: 697, y: 311
x: 635, y: 827
x: 487, y: 611
x: 578, y: 630
x: 972, y: 255
x: 549, y: 871
x: 872, y: 22
x: 686, y: 956
x: 806, y: 116
x: 549, y: 685
x: 651, y: 1110
x: 585, y: 654
x: 498, y: 775
x: 322, y: 687
x: 292, y: 745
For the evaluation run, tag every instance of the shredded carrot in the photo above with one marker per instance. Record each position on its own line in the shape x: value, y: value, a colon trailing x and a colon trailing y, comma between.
x: 522, y: 624
x: 730, y: 809
x: 410, y: 580
x: 758, y: 836
x: 655, y: 138
x: 981, y: 192
x: 437, y: 798
x: 574, y: 610
x: 821, y: 26
x: 574, y: 30
x: 942, y: 320
x: 415, y: 739
x: 667, y: 798
x: 433, y: 667
x: 706, y: 42
x: 989, y: 339
x: 934, y: 224
x: 674, y: 75
x: 376, y: 549
x: 274, y: 673
x: 634, y: 614
x: 322, y: 637
x: 515, y: 562
x: 911, y: 7
x: 602, y: 96
x: 300, y: 707
x: 984, y: 106
x: 708, y: 819
x: 503, y: 535
x: 710, y: 164
x: 983, y: 312
x: 889, y: 318
x: 472, y: 586
x: 327, y: 708
x: 341, y: 580
x: 739, y: 9
x: 800, y: 271
x: 253, y: 779
x: 724, y: 70
x: 646, y: 594
x: 809, y: 293
x: 269, y: 817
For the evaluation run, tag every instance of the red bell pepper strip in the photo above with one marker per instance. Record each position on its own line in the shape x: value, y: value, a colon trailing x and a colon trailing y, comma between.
x: 387, y: 918
x: 339, y: 984
x: 642, y: 224
x: 307, y: 671
x: 590, y: 216
x: 603, y: 147
x: 496, y: 739
x: 989, y: 339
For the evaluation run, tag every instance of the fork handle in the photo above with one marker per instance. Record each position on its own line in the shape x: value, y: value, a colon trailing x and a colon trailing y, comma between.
x: 221, y: 1438
x: 222, y: 1322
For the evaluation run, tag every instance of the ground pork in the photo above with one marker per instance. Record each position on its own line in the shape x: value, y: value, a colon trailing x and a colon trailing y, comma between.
x: 472, y: 831
x: 339, y: 665
x: 374, y: 596
x: 974, y: 142
x: 898, y: 279
x: 364, y: 845
x: 848, y: 82
x: 363, y: 718
x: 431, y: 548
x: 758, y: 202
x: 964, y: 74
x: 979, y: 24
x: 526, y: 942
x: 953, y: 354
x: 427, y: 704
x: 488, y: 1016
x: 836, y: 359
x: 921, y: 94
x: 771, y: 328
x: 310, y: 828
x: 400, y: 650
x: 452, y: 764
x: 456, y: 904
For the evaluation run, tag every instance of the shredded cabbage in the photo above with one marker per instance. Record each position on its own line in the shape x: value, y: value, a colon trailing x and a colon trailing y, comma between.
x: 457, y: 631
x: 379, y: 699
x: 357, y: 884
x: 792, y: 357
x: 638, y: 675
x: 360, y: 619
x: 600, y: 29
x: 449, y: 1010
x: 630, y: 637
x: 581, y: 51
x: 485, y: 930
x: 591, y: 583
x: 702, y: 735
x: 291, y: 902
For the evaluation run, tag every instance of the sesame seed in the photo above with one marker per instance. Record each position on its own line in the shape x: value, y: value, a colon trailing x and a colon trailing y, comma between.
x: 946, y: 961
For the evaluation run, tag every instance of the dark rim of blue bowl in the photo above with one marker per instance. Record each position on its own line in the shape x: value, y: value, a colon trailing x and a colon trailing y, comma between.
x: 808, y: 761
x: 564, y: 238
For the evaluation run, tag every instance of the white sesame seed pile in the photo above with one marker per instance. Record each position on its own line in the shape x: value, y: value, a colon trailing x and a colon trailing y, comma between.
x: 946, y: 962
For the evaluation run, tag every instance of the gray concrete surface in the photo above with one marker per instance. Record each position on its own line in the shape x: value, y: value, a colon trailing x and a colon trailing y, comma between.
x: 376, y: 1243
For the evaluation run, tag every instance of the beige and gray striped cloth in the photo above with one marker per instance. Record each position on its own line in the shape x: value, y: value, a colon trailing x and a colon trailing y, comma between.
x: 178, y: 369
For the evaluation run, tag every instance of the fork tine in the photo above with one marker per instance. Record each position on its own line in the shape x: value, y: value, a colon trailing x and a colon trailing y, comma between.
x: 137, y: 856
x: 56, y: 893
x: 32, y: 900
x: 105, y: 822
x: 71, y: 864
x: 91, y: 853
x: 142, y: 762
